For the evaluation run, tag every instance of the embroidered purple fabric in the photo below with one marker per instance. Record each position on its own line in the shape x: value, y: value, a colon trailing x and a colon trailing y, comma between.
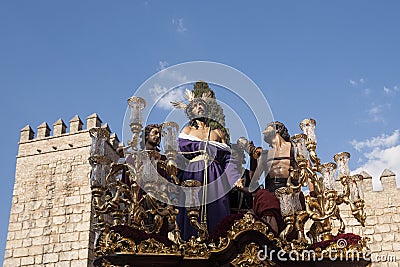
x: 222, y: 174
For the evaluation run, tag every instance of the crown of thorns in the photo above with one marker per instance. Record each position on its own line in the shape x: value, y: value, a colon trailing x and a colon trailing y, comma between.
x: 190, y: 97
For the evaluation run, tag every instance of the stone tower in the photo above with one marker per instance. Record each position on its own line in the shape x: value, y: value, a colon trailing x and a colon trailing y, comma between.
x: 50, y: 221
x: 382, y: 225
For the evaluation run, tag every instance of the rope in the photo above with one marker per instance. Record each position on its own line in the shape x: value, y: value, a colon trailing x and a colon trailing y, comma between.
x: 203, y: 212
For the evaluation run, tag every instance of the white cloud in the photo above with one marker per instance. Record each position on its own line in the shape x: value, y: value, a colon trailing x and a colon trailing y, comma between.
x: 375, y: 112
x: 163, y: 98
x: 173, y: 75
x: 367, y: 91
x: 167, y: 79
x: 395, y: 89
x: 387, y: 90
x: 180, y: 27
x: 378, y: 160
x: 163, y: 65
x: 382, y: 141
x: 382, y: 152
x: 356, y: 83
x: 169, y: 85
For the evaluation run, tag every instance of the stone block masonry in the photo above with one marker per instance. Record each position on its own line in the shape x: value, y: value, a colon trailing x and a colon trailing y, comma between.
x: 383, y: 220
x: 50, y: 220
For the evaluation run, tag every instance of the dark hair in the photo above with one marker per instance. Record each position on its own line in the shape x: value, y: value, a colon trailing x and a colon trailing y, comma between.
x: 280, y: 129
x: 146, y: 133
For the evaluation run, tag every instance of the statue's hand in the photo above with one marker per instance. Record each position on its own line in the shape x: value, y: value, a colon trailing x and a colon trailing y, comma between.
x: 175, y: 179
x: 242, y: 142
x: 249, y: 147
x: 239, y: 183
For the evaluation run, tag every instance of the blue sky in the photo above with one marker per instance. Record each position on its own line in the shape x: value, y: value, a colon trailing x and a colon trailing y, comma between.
x: 337, y: 62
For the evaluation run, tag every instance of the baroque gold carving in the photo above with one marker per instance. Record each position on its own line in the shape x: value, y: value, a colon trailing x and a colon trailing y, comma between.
x: 247, y: 223
x: 221, y: 245
x: 195, y: 249
x: 250, y: 258
x: 105, y: 263
x: 111, y: 243
x: 121, y: 203
x: 153, y: 246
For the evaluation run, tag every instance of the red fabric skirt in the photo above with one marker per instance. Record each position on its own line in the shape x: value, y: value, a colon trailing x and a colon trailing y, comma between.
x: 265, y: 203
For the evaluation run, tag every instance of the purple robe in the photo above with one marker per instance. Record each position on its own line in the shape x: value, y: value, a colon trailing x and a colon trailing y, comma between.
x: 222, y: 174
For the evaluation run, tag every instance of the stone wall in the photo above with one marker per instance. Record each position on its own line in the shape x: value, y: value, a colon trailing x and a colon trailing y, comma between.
x: 383, y: 220
x: 50, y: 220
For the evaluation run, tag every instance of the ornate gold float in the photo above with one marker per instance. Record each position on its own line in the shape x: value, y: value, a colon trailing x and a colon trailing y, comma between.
x: 135, y: 222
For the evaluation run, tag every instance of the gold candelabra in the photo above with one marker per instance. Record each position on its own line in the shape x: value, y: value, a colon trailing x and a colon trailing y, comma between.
x: 133, y: 192
x: 322, y: 205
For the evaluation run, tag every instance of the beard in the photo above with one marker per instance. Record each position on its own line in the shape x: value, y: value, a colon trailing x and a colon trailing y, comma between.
x: 153, y: 143
x: 199, y: 114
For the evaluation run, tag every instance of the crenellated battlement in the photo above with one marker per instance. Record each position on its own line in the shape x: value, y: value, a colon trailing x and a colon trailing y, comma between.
x: 51, y: 220
x: 383, y: 219
x: 63, y: 137
x: 60, y: 128
x: 387, y: 180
